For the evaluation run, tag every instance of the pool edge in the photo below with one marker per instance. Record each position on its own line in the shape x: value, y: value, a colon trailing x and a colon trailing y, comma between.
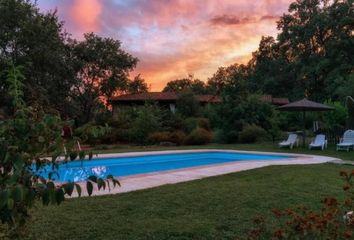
x: 150, y: 180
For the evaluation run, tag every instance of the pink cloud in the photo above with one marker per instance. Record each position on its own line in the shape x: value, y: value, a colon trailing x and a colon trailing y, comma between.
x: 173, y: 38
x: 85, y: 15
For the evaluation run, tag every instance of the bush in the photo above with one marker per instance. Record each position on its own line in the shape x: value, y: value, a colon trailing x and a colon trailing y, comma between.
x: 337, y: 118
x: 251, y: 134
x: 177, y: 137
x: 189, y: 124
x: 147, y: 121
x: 198, y: 136
x: 222, y: 136
x: 204, y: 123
x: 91, y: 132
x: 158, y: 137
x: 334, y: 220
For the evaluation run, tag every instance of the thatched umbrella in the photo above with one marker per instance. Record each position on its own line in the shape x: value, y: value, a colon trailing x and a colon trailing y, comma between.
x: 304, y: 106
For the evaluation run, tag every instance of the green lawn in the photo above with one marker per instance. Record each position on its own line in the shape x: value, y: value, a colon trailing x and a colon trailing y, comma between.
x: 267, y: 147
x: 213, y: 208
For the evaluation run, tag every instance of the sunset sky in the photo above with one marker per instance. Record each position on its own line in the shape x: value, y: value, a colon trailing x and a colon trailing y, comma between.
x: 174, y: 38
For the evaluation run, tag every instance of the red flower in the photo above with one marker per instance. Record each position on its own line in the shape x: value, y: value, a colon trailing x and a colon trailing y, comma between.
x: 280, y: 234
x: 330, y: 202
x: 348, y: 234
x: 277, y: 212
x: 258, y: 220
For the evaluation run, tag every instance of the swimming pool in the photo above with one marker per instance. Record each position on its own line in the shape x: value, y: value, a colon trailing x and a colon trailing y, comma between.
x: 133, y: 165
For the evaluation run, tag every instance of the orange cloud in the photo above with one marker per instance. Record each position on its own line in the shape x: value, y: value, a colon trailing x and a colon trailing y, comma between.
x: 174, y: 38
x: 85, y: 15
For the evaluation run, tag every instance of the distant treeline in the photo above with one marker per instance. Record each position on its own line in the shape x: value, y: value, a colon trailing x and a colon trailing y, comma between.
x: 312, y: 56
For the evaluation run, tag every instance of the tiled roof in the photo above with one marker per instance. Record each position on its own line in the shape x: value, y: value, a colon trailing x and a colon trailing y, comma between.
x: 274, y: 101
x: 266, y: 98
x: 161, y: 96
x: 172, y: 96
x: 280, y: 101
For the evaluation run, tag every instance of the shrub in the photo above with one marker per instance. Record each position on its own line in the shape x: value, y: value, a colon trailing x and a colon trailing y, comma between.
x: 335, y: 119
x: 198, y: 136
x: 147, y: 121
x: 158, y: 137
x: 177, y: 137
x: 91, y: 132
x: 204, y: 123
x: 252, y: 133
x: 189, y: 124
x: 29, y: 136
x: 334, y: 220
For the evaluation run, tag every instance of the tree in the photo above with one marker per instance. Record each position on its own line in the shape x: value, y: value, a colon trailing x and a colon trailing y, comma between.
x: 270, y: 71
x: 137, y: 85
x: 312, y: 56
x: 38, y: 43
x: 148, y: 120
x: 186, y: 84
x: 187, y: 104
x: 29, y: 140
x: 233, y: 76
x: 102, y: 69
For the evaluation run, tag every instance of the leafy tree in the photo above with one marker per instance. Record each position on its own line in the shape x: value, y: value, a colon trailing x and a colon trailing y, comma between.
x: 187, y: 105
x: 312, y: 56
x: 148, y: 120
x: 30, y: 140
x: 270, y: 71
x: 137, y: 85
x: 102, y: 69
x: 232, y: 77
x: 233, y: 115
x: 38, y: 43
x: 186, y: 84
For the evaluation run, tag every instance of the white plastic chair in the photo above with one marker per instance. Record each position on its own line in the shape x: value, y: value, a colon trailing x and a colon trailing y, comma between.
x: 347, y: 141
x: 319, y: 142
x: 290, y: 142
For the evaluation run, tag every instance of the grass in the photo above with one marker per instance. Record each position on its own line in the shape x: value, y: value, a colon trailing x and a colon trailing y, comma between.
x: 219, y: 207
x: 266, y: 147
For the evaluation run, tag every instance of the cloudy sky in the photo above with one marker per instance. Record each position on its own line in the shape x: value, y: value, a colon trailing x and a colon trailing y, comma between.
x: 174, y: 38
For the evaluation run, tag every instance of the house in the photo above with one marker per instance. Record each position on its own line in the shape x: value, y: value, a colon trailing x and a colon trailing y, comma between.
x: 274, y: 101
x: 163, y: 99
x: 169, y: 99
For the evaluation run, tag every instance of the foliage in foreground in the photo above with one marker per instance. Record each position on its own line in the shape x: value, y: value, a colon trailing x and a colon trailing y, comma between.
x: 31, y: 140
x: 219, y: 207
x: 334, y: 221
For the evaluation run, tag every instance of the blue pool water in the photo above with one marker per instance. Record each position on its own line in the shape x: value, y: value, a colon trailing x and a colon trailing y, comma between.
x: 125, y: 166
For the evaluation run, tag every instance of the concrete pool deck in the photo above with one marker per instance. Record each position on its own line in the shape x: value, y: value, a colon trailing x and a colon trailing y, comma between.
x: 150, y: 180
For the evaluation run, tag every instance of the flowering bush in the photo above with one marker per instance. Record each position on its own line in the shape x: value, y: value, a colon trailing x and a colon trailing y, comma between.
x: 334, y: 221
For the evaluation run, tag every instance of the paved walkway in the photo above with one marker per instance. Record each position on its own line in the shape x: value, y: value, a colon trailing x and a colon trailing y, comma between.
x: 144, y: 181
